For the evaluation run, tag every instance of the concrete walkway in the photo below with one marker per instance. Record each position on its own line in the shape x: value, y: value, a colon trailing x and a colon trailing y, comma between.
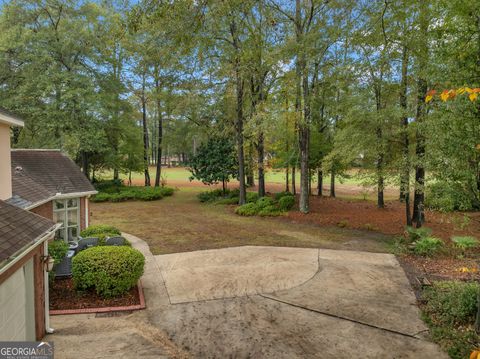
x: 259, y: 302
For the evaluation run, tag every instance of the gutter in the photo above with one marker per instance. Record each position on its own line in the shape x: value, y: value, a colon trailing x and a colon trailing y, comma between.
x: 28, y: 248
x: 60, y: 196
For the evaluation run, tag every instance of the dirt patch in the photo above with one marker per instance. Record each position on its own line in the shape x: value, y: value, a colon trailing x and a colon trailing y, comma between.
x: 389, y: 220
x: 64, y: 296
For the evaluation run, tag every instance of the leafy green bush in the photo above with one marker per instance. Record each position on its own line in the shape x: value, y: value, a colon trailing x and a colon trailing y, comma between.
x: 249, y: 209
x: 264, y: 202
x: 252, y: 197
x: 123, y: 193
x: 286, y: 203
x: 110, y: 270
x: 280, y: 195
x: 57, y: 249
x: 228, y: 200
x: 415, y: 234
x: 447, y: 197
x: 465, y: 242
x: 100, y: 231
x: 452, y: 302
x: 427, y: 246
x: 269, y: 211
x: 210, y: 196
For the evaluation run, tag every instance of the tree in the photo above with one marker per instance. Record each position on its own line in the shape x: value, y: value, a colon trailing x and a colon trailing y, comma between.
x: 215, y: 162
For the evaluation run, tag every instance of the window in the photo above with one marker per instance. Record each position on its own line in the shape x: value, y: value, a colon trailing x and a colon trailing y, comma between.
x: 67, y: 212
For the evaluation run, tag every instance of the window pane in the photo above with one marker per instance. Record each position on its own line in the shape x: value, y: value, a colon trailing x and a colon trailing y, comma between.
x: 72, y: 217
x: 60, y: 234
x: 59, y: 217
x: 72, y: 203
x: 72, y: 233
x: 59, y: 205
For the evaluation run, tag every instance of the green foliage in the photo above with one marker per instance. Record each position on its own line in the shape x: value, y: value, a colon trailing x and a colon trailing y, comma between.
x: 465, y: 242
x: 110, y: 270
x: 264, y: 202
x: 252, y: 197
x: 286, y: 203
x: 215, y: 162
x: 248, y: 209
x: 269, y: 211
x: 415, y: 234
x: 100, y: 231
x: 57, y: 249
x: 452, y: 302
x: 211, y: 196
x: 427, y: 246
x: 228, y: 201
x: 447, y: 197
x: 134, y: 193
x: 280, y: 195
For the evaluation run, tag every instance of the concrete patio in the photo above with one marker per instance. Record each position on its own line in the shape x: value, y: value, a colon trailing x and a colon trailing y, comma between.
x: 261, y: 302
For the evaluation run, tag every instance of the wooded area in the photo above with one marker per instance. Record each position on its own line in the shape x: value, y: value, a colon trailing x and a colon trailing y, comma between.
x: 312, y: 86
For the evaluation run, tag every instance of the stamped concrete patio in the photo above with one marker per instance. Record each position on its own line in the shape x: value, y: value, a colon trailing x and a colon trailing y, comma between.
x: 260, y: 302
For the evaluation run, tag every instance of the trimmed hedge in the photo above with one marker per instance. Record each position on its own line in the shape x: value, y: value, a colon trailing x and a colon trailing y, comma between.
x: 101, y: 231
x: 123, y: 193
x: 110, y: 270
x: 57, y: 249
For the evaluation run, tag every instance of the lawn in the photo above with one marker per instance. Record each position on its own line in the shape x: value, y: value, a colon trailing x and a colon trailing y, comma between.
x: 181, y: 223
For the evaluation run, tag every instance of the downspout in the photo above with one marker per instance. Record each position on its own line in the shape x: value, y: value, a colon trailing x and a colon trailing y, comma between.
x: 47, y: 298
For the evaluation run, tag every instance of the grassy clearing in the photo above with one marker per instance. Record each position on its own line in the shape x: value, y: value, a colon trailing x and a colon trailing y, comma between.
x: 181, y: 223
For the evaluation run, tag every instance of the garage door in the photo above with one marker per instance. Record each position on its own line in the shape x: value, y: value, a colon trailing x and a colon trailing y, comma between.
x: 17, y: 311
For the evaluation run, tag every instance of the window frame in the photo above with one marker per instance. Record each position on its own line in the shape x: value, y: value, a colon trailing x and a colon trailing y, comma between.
x: 62, y: 213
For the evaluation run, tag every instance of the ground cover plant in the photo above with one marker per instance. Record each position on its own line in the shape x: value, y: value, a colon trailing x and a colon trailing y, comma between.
x: 449, y: 308
x: 109, y: 270
x: 112, y: 191
x: 268, y: 206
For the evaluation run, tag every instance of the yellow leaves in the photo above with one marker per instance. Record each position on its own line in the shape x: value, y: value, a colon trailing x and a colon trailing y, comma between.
x: 445, y: 95
x: 468, y: 270
x: 478, y: 147
x: 475, y: 354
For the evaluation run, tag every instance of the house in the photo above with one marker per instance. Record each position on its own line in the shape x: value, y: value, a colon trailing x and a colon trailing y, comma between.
x: 23, y: 256
x: 50, y: 184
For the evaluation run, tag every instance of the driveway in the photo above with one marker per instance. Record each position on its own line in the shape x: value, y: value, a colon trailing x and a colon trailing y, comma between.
x: 260, y: 302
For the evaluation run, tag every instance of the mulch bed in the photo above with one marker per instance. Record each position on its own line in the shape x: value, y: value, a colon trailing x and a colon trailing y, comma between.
x: 64, y: 296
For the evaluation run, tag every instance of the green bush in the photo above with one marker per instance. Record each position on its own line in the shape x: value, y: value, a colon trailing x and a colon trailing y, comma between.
x: 265, y: 202
x: 286, y: 203
x: 252, y: 197
x: 210, y: 196
x: 57, y: 249
x: 280, y: 195
x: 123, y: 193
x: 465, y: 242
x: 249, y: 209
x: 269, y: 211
x: 229, y: 200
x: 447, y: 197
x: 452, y: 302
x: 415, y: 234
x: 110, y: 270
x: 427, y: 246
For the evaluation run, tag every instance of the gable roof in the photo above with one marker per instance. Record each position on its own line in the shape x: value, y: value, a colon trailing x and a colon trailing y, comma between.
x: 42, y: 175
x: 19, y: 229
x: 9, y: 118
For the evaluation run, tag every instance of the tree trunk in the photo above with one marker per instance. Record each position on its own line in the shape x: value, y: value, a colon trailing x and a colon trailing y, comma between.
x: 261, y: 170
x: 145, y: 136
x: 287, y: 182
x: 85, y: 164
x: 250, y: 172
x: 332, y: 183
x: 294, y: 186
x: 320, y: 183
x: 405, y: 171
x: 422, y: 87
x: 239, y: 114
x: 160, y: 132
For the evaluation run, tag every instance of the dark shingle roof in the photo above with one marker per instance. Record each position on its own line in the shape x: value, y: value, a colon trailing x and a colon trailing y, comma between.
x: 38, y: 175
x: 19, y: 229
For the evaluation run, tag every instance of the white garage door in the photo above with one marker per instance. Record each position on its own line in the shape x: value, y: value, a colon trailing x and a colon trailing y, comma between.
x: 17, y: 313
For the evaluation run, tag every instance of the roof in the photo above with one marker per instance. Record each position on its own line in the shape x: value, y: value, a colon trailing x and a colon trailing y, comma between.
x: 19, y: 229
x: 9, y: 118
x: 39, y: 176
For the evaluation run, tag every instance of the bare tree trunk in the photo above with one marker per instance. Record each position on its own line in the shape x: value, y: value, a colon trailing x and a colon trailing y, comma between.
x: 294, y: 186
x: 249, y: 169
x: 287, y: 182
x: 332, y: 183
x: 320, y: 183
x: 160, y: 131
x: 422, y: 86
x: 145, y: 135
x: 261, y: 170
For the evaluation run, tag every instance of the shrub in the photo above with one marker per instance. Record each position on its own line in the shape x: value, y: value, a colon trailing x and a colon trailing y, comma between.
x: 269, y: 211
x: 280, y: 195
x: 415, y: 234
x: 465, y: 243
x: 110, y: 270
x: 249, y: 209
x: 427, y: 246
x: 210, y: 196
x: 229, y: 200
x: 252, y: 197
x: 286, y: 203
x: 100, y: 231
x: 57, y: 249
x: 452, y: 302
x: 264, y: 202
x: 446, y: 197
x: 123, y: 193
x: 234, y: 193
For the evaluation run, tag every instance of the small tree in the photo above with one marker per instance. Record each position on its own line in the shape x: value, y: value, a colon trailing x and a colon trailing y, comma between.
x: 215, y: 162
